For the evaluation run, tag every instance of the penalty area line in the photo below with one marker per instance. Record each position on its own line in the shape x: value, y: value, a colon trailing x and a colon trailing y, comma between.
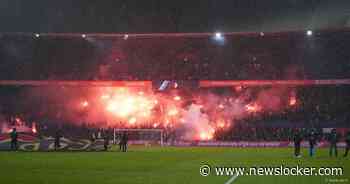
x: 232, y: 179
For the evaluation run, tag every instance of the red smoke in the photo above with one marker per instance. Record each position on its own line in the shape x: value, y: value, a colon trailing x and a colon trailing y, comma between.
x: 199, y: 115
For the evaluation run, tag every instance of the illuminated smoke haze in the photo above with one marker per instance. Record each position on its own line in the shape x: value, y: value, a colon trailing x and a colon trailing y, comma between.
x: 196, y: 117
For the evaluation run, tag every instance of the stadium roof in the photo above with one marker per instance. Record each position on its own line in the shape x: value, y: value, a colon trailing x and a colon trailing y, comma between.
x: 172, y: 16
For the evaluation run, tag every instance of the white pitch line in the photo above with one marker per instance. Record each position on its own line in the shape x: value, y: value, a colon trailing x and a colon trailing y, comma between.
x: 233, y: 178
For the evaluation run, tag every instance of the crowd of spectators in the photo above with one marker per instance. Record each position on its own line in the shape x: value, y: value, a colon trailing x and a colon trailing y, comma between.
x: 241, y: 131
x: 316, y: 108
x: 289, y: 55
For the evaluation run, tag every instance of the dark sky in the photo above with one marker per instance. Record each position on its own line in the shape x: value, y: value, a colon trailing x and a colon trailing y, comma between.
x: 171, y: 15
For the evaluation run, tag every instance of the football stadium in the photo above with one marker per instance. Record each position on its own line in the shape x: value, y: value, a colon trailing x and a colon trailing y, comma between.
x: 165, y: 97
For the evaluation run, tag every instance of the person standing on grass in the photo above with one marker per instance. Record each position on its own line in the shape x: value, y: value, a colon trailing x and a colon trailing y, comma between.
x: 347, y: 140
x: 99, y: 134
x: 106, y: 141
x: 312, y: 143
x: 14, y: 139
x: 57, y: 140
x: 297, y: 143
x: 333, y: 140
x: 121, y: 142
x: 124, y: 142
x: 93, y: 137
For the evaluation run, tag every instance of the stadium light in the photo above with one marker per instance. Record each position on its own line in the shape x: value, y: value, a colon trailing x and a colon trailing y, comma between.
x: 83, y: 35
x: 37, y: 35
x: 309, y: 32
x: 218, y: 36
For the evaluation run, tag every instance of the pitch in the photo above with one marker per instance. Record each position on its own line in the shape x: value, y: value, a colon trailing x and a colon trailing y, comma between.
x: 159, y: 165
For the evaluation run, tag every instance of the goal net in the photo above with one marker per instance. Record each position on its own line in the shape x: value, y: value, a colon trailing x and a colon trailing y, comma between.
x: 145, y: 137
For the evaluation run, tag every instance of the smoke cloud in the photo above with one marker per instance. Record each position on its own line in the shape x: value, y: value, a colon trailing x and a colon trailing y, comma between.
x: 197, y: 116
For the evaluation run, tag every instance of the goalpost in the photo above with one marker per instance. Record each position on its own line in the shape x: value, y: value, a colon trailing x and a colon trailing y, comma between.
x: 141, y: 136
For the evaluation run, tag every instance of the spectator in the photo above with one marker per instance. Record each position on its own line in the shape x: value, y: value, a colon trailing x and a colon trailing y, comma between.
x: 333, y: 140
x: 347, y: 140
x: 14, y: 139
x: 297, y: 143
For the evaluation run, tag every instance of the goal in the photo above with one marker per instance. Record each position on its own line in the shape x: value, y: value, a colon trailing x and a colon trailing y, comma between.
x: 140, y: 136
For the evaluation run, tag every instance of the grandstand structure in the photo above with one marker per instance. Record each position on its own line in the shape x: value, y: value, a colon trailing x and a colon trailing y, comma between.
x: 248, y: 67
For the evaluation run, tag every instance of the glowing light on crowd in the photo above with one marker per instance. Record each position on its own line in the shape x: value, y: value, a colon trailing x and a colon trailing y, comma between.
x: 122, y: 103
x: 145, y: 114
x: 121, y: 106
x: 176, y: 85
x: 167, y: 121
x: 112, y: 106
x: 182, y: 120
x: 132, y: 121
x: 221, y: 124
x: 173, y: 112
x: 105, y: 97
x: 18, y: 120
x: 126, y: 36
x: 203, y: 136
x: 34, y: 130
x: 253, y: 107
x: 206, y: 135
x: 292, y: 101
x: 85, y: 103
x: 238, y: 88
x: 177, y: 98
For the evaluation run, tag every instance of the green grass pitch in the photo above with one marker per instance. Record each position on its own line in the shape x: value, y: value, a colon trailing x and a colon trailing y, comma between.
x: 158, y: 165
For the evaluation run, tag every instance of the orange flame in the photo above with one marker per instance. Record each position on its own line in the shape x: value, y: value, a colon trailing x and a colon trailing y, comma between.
x: 177, y: 98
x: 85, y: 103
x: 253, y: 107
x: 292, y: 101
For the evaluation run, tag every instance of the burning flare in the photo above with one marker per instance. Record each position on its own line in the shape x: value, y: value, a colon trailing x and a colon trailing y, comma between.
x: 253, y: 107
